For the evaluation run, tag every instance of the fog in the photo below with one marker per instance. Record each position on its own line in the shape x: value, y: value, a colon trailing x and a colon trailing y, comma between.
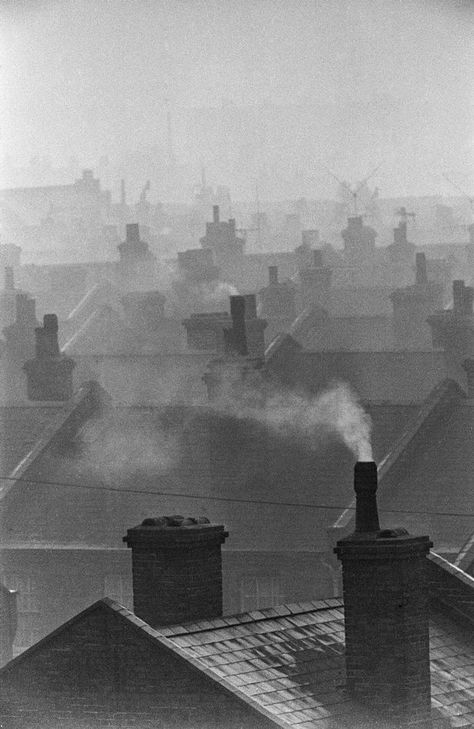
x: 266, y: 91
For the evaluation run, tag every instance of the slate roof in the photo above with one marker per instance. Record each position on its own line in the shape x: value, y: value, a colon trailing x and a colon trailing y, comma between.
x: 354, y: 333
x: 20, y: 429
x: 382, y: 376
x: 287, y: 662
x: 440, y: 479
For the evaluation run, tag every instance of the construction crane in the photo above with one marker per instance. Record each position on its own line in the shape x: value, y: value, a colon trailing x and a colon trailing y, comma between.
x: 350, y: 188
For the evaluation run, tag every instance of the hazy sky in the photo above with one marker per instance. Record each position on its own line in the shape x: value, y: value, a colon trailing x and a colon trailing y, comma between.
x: 88, y: 77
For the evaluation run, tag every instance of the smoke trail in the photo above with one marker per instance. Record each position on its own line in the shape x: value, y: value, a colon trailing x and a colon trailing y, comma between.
x: 335, y: 411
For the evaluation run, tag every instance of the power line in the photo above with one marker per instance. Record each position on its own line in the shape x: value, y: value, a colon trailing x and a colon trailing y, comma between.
x: 212, y: 497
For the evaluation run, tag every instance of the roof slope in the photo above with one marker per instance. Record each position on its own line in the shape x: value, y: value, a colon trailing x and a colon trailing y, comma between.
x: 287, y: 662
x: 20, y: 429
x: 226, y: 463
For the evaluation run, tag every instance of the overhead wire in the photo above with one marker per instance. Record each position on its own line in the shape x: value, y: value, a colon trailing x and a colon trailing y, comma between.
x: 229, y: 499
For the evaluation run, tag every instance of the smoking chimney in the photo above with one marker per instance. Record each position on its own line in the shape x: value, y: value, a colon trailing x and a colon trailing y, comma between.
x: 273, y: 275
x: 215, y: 213
x: 49, y: 374
x: 177, y: 569
x: 385, y: 613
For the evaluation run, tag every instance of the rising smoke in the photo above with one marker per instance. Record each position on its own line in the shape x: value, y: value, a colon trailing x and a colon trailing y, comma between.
x: 334, y: 412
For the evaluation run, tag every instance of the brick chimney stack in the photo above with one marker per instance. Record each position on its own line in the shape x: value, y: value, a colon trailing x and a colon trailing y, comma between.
x: 412, y: 306
x: 278, y: 303
x: 177, y: 569
x: 49, y: 374
x: 359, y: 241
x: 244, y: 350
x: 315, y: 283
x: 385, y: 613
x: 453, y: 330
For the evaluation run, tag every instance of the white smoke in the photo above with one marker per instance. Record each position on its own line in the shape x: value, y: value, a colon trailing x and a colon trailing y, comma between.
x: 336, y: 411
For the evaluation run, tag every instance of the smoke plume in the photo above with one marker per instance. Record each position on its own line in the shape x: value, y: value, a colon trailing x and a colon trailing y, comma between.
x: 336, y: 411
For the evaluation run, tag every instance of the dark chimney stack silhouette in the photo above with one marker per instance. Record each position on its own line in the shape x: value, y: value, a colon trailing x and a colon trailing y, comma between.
x: 49, y: 374
x: 386, y: 613
x: 177, y: 569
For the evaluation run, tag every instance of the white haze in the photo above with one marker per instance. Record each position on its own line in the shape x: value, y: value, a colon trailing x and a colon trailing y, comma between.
x: 272, y: 90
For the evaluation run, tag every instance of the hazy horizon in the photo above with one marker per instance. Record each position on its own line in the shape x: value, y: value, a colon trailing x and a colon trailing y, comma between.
x: 266, y: 90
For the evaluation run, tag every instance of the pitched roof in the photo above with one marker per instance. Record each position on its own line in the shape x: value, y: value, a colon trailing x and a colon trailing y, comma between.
x: 287, y: 662
x: 27, y: 431
x: 132, y: 448
x: 383, y: 376
x: 20, y: 428
x: 428, y: 474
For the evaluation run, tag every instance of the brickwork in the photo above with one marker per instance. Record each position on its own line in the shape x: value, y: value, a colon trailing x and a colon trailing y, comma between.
x: 177, y: 571
x: 386, y: 625
x: 103, y: 671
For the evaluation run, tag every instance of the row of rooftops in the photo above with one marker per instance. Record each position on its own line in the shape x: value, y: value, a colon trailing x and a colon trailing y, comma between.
x: 362, y: 661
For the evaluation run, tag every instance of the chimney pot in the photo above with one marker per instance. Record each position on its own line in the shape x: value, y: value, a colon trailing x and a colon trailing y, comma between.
x: 273, y: 275
x: 215, y: 213
x: 421, y: 273
x: 238, y: 339
x: 365, y: 487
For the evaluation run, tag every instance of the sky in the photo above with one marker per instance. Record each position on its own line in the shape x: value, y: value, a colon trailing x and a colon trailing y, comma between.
x: 379, y: 81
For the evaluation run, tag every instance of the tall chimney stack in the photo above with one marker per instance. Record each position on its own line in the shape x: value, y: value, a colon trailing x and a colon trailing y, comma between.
x: 177, y: 569
x: 49, y: 374
x: 215, y: 213
x: 237, y: 335
x: 385, y: 613
x: 421, y: 272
